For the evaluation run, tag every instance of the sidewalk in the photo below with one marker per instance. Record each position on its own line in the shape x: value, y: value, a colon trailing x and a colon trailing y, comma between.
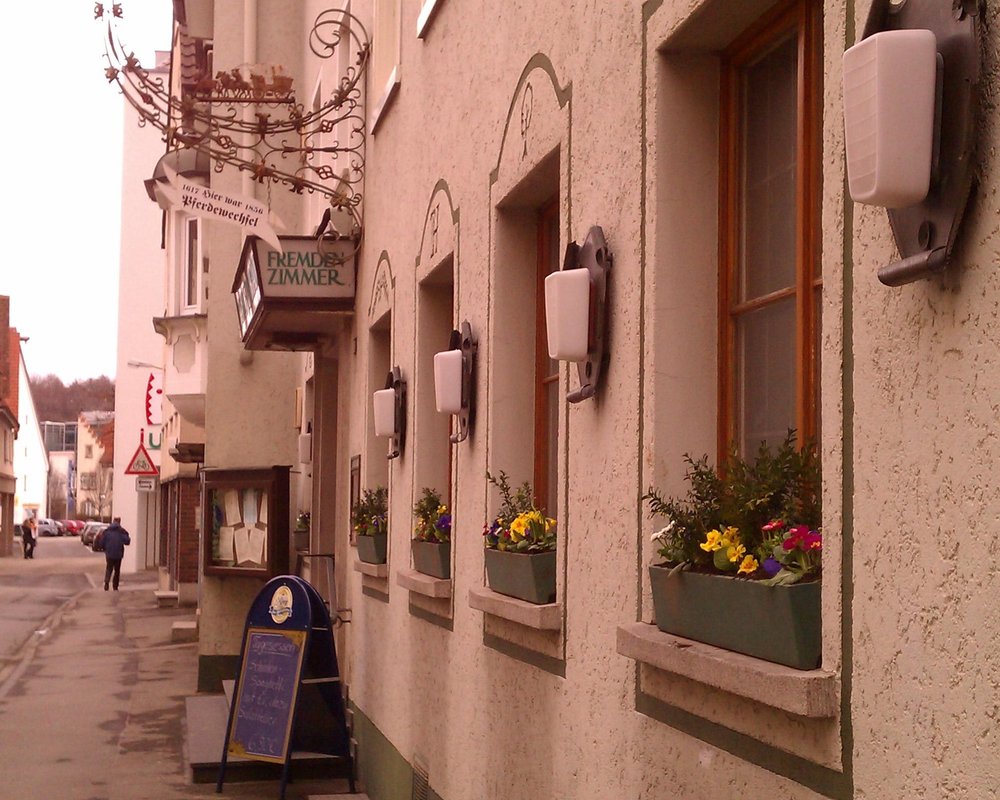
x: 94, y: 709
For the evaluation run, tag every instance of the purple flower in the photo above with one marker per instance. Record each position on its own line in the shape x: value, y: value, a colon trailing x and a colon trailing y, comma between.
x: 443, y: 523
x: 771, y: 566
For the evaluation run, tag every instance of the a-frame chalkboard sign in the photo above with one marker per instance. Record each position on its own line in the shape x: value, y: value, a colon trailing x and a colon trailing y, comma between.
x: 287, y: 696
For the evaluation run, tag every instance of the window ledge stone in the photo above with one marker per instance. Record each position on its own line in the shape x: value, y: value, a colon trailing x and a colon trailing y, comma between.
x: 807, y: 693
x: 546, y: 617
x: 427, y: 585
x: 372, y: 570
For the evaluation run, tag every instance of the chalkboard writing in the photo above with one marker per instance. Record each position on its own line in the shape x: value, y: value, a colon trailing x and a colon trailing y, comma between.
x: 265, y: 701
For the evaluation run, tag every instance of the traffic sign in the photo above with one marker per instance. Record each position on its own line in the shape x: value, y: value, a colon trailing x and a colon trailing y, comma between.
x: 141, y: 463
x: 145, y: 483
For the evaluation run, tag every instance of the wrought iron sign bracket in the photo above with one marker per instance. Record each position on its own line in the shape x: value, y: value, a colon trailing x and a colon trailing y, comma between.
x: 466, y: 416
x: 594, y: 256
x: 251, y: 120
x: 395, y: 381
x: 926, y: 233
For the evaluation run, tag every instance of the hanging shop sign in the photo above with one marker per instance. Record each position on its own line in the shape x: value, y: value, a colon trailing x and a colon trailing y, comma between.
x: 195, y: 200
x: 287, y: 296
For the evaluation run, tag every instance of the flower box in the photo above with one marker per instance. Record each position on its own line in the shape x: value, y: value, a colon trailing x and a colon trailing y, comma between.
x: 432, y: 558
x: 781, y: 624
x: 372, y: 549
x: 526, y: 576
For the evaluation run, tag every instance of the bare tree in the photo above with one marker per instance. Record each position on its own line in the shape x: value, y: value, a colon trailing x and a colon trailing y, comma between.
x: 57, y: 495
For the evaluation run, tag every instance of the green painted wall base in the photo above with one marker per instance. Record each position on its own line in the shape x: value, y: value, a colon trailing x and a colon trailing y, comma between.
x: 382, y: 771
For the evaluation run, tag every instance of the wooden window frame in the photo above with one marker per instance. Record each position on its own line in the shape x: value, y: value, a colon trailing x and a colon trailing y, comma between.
x: 547, y: 214
x: 804, y: 17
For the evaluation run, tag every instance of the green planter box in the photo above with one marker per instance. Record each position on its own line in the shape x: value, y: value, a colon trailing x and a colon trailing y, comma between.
x: 526, y: 576
x: 431, y: 558
x: 371, y: 549
x: 781, y: 624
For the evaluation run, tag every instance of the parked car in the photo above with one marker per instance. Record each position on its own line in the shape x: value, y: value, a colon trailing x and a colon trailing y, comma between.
x: 73, y: 526
x: 47, y: 527
x: 90, y: 530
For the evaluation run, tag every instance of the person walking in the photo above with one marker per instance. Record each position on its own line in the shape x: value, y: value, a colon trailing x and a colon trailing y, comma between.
x: 29, y: 537
x: 114, y: 538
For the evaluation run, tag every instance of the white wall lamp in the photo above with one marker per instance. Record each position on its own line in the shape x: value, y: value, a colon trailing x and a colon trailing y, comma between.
x: 910, y: 104
x: 389, y: 407
x: 454, y: 375
x: 306, y: 445
x: 576, y: 310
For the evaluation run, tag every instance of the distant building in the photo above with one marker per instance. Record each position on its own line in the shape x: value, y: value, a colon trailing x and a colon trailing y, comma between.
x: 60, y: 443
x: 8, y: 426
x: 94, y: 476
x: 59, y: 435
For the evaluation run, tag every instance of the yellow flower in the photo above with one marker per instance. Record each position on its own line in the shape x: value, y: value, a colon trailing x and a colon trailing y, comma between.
x: 748, y: 566
x: 735, y: 552
x: 730, y: 536
x: 712, y: 541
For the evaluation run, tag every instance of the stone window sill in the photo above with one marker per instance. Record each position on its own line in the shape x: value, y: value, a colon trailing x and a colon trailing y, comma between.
x: 427, y: 585
x: 372, y: 570
x: 546, y: 617
x: 807, y: 693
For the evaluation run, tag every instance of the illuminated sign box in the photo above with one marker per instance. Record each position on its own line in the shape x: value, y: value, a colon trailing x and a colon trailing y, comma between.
x: 289, y: 299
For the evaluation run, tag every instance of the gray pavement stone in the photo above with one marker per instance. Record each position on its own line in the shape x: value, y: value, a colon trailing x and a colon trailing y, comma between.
x: 94, y: 708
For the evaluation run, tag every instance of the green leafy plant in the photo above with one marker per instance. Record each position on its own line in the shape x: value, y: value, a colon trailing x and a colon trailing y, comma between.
x: 370, y: 514
x: 303, y: 520
x: 518, y: 526
x: 758, y: 518
x: 433, y: 522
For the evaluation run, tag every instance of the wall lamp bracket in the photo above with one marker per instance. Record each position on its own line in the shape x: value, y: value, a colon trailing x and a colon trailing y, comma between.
x: 576, y: 310
x: 911, y: 100
x: 454, y: 380
x: 390, y: 412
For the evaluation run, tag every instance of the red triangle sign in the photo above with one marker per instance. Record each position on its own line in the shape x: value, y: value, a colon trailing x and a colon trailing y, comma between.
x: 141, y: 463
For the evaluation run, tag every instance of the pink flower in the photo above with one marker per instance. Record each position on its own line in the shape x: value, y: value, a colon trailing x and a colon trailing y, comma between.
x: 774, y: 525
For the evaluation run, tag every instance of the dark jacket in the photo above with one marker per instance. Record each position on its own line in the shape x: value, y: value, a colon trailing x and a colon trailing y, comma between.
x: 114, y: 538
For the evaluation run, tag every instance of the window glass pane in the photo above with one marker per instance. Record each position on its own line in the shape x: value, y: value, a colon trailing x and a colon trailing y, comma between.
x: 191, y: 286
x: 551, y: 496
x: 818, y: 335
x: 765, y: 353
x: 768, y: 110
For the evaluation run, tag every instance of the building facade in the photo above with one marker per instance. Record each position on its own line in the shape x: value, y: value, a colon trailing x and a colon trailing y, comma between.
x: 9, y: 348
x: 139, y: 368
x: 706, y: 141
x: 94, y: 472
x: 31, y: 460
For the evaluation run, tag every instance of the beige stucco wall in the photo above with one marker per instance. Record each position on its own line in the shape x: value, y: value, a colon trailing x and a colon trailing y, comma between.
x: 494, y: 709
x: 926, y: 494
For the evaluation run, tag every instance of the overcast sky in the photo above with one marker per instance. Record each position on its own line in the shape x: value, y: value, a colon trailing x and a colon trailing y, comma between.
x: 61, y: 146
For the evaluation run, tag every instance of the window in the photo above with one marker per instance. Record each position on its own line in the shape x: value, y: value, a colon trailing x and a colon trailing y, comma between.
x: 384, y: 66
x: 192, y: 260
x: 546, y: 370
x: 88, y: 451
x: 769, y: 185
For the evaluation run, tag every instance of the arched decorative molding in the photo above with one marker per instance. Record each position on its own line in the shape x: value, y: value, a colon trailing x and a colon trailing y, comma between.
x: 439, y: 238
x: 537, y: 123
x: 383, y: 289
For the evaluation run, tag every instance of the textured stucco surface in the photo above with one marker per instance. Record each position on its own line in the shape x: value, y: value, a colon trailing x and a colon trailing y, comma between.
x: 926, y: 502
x: 909, y: 422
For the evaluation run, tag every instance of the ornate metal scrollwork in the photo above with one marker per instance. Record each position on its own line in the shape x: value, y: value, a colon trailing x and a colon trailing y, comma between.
x: 248, y: 117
